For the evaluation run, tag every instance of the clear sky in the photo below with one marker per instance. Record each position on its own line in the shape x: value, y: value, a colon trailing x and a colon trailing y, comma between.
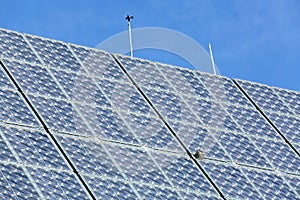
x: 256, y: 40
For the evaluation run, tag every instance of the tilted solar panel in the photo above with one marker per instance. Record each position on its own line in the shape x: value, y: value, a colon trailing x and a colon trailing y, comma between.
x: 81, y: 123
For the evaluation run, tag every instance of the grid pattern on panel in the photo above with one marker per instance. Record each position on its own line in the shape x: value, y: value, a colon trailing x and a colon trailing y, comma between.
x: 107, y: 165
x: 223, y: 113
x: 265, y: 97
x: 37, y: 165
x: 117, y: 127
x: 13, y: 46
x: 290, y: 98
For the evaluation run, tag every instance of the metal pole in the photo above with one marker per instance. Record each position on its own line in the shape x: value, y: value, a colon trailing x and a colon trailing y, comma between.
x: 128, y: 18
x: 212, y: 59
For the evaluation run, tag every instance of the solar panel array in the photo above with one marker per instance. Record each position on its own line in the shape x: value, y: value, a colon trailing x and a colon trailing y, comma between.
x: 80, y: 123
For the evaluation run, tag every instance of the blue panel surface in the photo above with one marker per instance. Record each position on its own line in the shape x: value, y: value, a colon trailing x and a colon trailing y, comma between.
x: 33, y: 79
x: 89, y: 157
x: 106, y: 124
x: 147, y: 192
x: 242, y: 150
x: 6, y: 154
x: 16, y: 181
x: 99, y: 63
x: 124, y: 97
x: 110, y: 189
x: 223, y: 89
x: 252, y: 122
x: 14, y: 109
x: 145, y: 73
x: 279, y: 154
x: 58, y: 184
x: 226, y: 176
x: 184, y: 81
x: 151, y: 132
x: 294, y: 182
x: 212, y: 114
x: 59, y: 115
x: 137, y: 165
x: 264, y: 97
x: 199, y: 138
x: 183, y: 173
x: 54, y: 54
x: 290, y: 98
x: 5, y: 82
x: 13, y: 46
x: 270, y: 185
x: 34, y: 147
x: 80, y: 88
x: 171, y: 106
x: 289, y: 126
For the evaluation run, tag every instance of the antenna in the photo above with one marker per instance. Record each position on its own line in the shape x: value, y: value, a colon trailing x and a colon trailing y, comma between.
x: 212, y: 59
x: 128, y: 18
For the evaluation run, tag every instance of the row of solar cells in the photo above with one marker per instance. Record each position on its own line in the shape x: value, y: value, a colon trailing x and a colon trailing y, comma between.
x: 119, y: 145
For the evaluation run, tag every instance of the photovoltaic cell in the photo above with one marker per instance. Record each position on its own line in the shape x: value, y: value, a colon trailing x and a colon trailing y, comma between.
x: 120, y: 146
x: 212, y: 114
x: 99, y: 63
x: 80, y: 88
x: 144, y: 73
x: 252, y: 122
x: 183, y: 173
x: 294, y: 182
x: 125, y: 97
x: 6, y: 190
x: 107, y: 124
x: 289, y: 126
x: 6, y: 154
x: 270, y: 185
x: 199, y: 138
x: 59, y: 115
x: 231, y: 181
x: 54, y: 54
x: 34, y: 147
x: 34, y: 79
x: 195, y: 196
x: 57, y: 184
x: 13, y: 46
x: 171, y: 106
x: 242, y: 150
x: 264, y: 97
x: 148, y: 192
x: 17, y: 182
x: 151, y: 132
x: 290, y: 98
x: 110, y: 189
x: 14, y: 109
x: 137, y: 165
x: 280, y: 155
x: 5, y: 82
x: 89, y: 157
x: 223, y: 89
x: 184, y: 81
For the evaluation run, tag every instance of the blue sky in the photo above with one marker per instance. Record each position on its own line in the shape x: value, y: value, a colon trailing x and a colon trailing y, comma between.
x: 256, y: 40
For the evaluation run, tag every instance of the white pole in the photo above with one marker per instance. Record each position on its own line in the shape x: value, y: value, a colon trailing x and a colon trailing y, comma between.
x: 128, y: 18
x: 212, y: 59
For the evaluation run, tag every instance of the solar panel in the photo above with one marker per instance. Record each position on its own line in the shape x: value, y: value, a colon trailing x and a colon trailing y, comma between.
x: 15, y: 184
x: 290, y: 98
x: 14, y: 46
x: 231, y: 180
x: 270, y: 184
x: 264, y: 97
x: 81, y: 123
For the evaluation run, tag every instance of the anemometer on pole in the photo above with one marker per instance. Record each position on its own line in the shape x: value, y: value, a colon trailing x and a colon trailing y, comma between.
x: 128, y: 18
